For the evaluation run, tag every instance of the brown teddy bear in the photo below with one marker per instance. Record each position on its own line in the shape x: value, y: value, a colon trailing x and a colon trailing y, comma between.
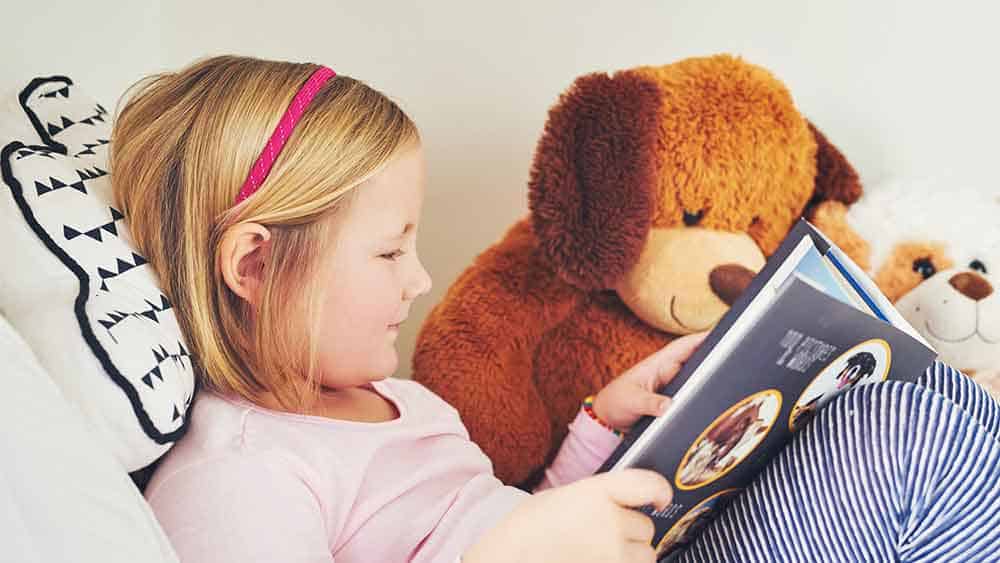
x: 656, y: 193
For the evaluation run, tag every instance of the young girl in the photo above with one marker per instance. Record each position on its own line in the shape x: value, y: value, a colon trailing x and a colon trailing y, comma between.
x: 280, y: 204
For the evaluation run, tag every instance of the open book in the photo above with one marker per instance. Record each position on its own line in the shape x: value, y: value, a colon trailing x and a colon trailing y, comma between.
x: 810, y: 326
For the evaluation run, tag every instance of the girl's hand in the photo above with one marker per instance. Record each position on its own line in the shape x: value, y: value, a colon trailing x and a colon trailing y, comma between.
x: 633, y: 394
x: 589, y: 520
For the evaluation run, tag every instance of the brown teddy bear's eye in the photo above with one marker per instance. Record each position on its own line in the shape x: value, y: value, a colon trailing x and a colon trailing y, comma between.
x: 924, y: 267
x: 978, y: 265
x: 692, y: 219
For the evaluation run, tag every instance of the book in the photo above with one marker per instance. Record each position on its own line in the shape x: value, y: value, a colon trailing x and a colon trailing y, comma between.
x: 810, y: 326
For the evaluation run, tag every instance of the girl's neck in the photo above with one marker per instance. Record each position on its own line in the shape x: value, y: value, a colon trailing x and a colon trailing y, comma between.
x: 354, y: 404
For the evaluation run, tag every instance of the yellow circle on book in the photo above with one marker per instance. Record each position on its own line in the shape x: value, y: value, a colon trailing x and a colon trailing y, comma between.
x: 677, y: 535
x: 852, y: 366
x: 728, y: 440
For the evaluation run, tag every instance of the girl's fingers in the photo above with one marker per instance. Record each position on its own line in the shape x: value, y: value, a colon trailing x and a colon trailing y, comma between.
x: 648, y: 403
x: 638, y: 552
x: 673, y: 355
x: 635, y: 487
x: 681, y: 349
x: 636, y: 526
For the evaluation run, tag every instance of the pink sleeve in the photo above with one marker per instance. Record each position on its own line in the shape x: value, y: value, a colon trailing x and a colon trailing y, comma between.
x: 583, y: 451
x: 224, y: 511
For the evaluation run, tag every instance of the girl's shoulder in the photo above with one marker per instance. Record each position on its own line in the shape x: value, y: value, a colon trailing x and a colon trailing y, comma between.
x: 227, y: 430
x: 227, y: 436
x: 416, y: 401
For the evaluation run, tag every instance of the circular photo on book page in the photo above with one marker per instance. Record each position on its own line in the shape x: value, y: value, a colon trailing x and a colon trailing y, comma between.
x: 685, y: 530
x: 867, y: 362
x: 728, y: 440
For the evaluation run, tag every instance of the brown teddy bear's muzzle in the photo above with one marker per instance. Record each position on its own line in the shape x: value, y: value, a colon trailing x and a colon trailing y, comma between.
x: 687, y: 277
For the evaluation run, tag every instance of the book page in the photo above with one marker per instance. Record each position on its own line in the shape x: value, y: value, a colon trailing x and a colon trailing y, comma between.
x: 814, y: 270
x: 864, y: 285
x: 724, y: 347
x: 844, y: 283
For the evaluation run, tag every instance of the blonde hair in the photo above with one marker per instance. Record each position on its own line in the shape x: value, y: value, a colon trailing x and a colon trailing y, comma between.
x: 183, y: 145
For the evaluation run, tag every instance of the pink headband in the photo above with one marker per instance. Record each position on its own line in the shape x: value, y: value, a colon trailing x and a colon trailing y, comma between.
x: 300, y: 102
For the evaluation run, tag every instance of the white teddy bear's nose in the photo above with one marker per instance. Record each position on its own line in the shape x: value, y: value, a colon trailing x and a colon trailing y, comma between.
x: 971, y: 285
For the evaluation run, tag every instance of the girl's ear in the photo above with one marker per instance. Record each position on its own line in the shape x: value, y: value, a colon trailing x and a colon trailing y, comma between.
x: 242, y: 253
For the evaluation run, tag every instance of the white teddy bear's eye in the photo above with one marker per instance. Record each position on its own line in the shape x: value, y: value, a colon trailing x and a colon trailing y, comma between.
x: 978, y: 265
x: 924, y: 267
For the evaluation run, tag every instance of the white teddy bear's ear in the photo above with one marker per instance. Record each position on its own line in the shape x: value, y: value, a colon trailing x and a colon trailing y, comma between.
x: 949, y: 210
x: 63, y: 191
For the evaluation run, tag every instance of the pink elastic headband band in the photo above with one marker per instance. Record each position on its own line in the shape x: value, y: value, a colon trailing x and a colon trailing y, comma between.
x: 300, y: 102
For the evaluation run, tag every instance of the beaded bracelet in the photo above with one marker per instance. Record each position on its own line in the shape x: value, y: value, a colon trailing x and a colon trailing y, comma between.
x: 588, y: 407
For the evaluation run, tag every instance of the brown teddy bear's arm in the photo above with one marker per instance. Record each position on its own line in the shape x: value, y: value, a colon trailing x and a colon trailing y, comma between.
x: 830, y: 217
x: 476, y: 350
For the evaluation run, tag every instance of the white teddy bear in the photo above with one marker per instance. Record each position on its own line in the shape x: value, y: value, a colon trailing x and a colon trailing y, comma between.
x: 933, y: 247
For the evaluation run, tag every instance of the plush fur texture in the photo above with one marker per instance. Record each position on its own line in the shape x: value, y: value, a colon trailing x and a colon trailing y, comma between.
x: 655, y: 194
x: 933, y: 247
x: 592, y: 170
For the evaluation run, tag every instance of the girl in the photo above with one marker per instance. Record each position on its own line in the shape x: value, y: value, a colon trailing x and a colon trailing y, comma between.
x: 280, y: 205
x: 291, y: 269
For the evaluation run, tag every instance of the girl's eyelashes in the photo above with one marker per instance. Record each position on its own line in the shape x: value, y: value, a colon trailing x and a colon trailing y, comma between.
x: 392, y: 255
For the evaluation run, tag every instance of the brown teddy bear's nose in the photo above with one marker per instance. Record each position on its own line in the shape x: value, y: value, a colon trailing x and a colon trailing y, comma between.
x: 972, y: 285
x: 728, y: 281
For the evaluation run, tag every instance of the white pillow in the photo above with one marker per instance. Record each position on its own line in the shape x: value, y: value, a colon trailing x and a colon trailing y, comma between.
x: 74, y: 288
x: 63, y: 497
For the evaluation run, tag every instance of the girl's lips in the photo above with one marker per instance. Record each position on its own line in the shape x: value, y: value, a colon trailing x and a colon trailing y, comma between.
x: 396, y: 325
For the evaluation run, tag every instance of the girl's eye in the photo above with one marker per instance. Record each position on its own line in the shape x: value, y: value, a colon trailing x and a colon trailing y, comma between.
x: 978, y: 265
x: 394, y: 255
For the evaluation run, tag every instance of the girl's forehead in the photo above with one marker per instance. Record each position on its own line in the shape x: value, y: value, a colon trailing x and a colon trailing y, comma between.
x: 390, y: 200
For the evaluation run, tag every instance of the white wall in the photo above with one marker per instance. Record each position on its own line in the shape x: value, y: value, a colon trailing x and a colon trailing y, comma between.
x: 901, y: 87
x: 104, y: 45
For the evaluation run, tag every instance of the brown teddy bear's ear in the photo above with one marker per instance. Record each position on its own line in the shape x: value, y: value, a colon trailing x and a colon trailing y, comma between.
x: 592, y: 187
x: 836, y: 179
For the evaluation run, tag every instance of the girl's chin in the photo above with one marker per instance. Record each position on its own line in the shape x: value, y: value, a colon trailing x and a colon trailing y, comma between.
x: 390, y: 365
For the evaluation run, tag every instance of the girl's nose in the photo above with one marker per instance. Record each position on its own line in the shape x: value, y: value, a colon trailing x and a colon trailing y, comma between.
x: 420, y: 285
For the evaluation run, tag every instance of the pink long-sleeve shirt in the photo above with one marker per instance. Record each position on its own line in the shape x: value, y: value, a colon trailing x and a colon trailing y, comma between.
x: 251, y: 484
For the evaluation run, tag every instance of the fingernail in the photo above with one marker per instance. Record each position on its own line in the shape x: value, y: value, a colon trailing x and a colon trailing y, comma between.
x: 663, y: 504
